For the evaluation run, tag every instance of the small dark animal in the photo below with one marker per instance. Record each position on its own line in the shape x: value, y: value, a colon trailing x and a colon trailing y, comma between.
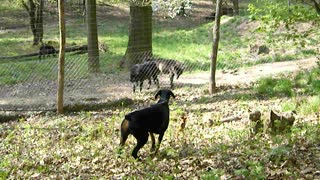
x: 258, y: 49
x: 141, y: 72
x: 224, y: 11
x: 171, y: 67
x: 183, y: 9
x: 153, y: 119
x: 46, y: 49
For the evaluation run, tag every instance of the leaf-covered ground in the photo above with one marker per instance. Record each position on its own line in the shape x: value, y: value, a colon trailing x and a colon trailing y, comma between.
x: 85, y: 145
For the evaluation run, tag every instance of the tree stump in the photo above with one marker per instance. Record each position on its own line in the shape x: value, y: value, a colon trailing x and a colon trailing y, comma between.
x: 279, y: 123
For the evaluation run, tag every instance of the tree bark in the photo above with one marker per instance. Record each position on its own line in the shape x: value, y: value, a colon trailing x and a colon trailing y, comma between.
x: 35, y: 11
x: 236, y: 6
x: 215, y: 45
x: 84, y: 12
x: 316, y: 6
x: 93, y: 49
x: 61, y: 58
x: 140, y: 35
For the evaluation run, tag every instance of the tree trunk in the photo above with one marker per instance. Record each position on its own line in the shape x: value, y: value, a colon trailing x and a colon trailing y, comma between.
x: 39, y: 22
x: 93, y: 49
x: 61, y: 57
x: 316, y: 6
x: 140, y: 35
x: 35, y: 11
x: 215, y: 45
x: 236, y: 6
x: 84, y: 12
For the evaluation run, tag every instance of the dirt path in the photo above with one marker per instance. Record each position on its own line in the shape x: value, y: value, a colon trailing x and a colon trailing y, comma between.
x: 105, y: 88
x: 251, y: 74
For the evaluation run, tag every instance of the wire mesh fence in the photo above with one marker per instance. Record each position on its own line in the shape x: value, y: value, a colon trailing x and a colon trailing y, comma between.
x: 181, y: 49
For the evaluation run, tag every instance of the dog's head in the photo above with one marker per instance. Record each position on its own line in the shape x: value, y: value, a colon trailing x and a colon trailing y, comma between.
x: 164, y: 95
x: 134, y: 73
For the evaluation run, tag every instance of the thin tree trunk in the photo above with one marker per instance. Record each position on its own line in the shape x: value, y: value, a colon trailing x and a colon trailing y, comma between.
x: 84, y: 12
x: 140, y: 35
x: 215, y: 45
x: 93, y: 50
x: 61, y: 57
x: 316, y: 6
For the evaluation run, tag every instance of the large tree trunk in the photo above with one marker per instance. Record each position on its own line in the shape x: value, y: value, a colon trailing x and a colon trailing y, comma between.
x: 215, y: 45
x: 35, y: 11
x: 61, y: 57
x: 93, y: 50
x: 236, y: 6
x: 140, y: 35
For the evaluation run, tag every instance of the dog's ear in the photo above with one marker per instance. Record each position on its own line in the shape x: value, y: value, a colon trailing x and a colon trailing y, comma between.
x: 172, y: 95
x: 158, y: 94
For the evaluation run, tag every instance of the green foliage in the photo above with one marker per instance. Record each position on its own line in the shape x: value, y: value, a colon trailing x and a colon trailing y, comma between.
x: 277, y: 14
x: 213, y: 174
x: 306, y: 82
x: 309, y: 82
x: 273, y: 87
x: 288, y: 106
x: 311, y: 105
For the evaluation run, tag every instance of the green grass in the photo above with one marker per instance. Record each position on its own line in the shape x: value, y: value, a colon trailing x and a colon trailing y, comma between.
x: 303, y: 91
x: 274, y: 87
x: 191, y: 45
x: 305, y: 82
x: 310, y: 105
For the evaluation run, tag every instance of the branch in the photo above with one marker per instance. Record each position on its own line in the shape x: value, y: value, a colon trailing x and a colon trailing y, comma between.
x: 230, y: 119
x: 25, y: 5
x: 83, y: 48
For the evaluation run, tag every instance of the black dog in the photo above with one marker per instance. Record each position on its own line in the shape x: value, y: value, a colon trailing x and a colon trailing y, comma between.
x: 140, y: 72
x: 172, y: 67
x: 153, y: 119
x: 46, y: 49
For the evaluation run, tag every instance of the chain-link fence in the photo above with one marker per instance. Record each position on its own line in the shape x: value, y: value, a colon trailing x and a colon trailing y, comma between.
x: 181, y: 49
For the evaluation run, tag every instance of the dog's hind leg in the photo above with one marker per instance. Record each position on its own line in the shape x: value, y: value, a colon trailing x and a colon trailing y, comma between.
x: 142, y: 138
x: 171, y: 80
x: 159, y: 142
x: 153, y: 146
x: 140, y: 85
x: 156, y: 81
x: 149, y: 83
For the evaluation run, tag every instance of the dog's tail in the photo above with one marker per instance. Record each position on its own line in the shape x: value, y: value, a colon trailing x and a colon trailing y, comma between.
x: 124, y: 130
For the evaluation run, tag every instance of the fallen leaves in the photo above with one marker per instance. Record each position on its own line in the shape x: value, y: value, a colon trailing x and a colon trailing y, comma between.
x: 84, y: 145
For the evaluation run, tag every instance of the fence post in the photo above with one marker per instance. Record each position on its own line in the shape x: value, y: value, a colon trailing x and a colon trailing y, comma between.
x: 61, y: 58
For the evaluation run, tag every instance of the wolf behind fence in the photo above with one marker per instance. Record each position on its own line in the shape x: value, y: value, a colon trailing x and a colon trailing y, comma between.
x: 46, y: 49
